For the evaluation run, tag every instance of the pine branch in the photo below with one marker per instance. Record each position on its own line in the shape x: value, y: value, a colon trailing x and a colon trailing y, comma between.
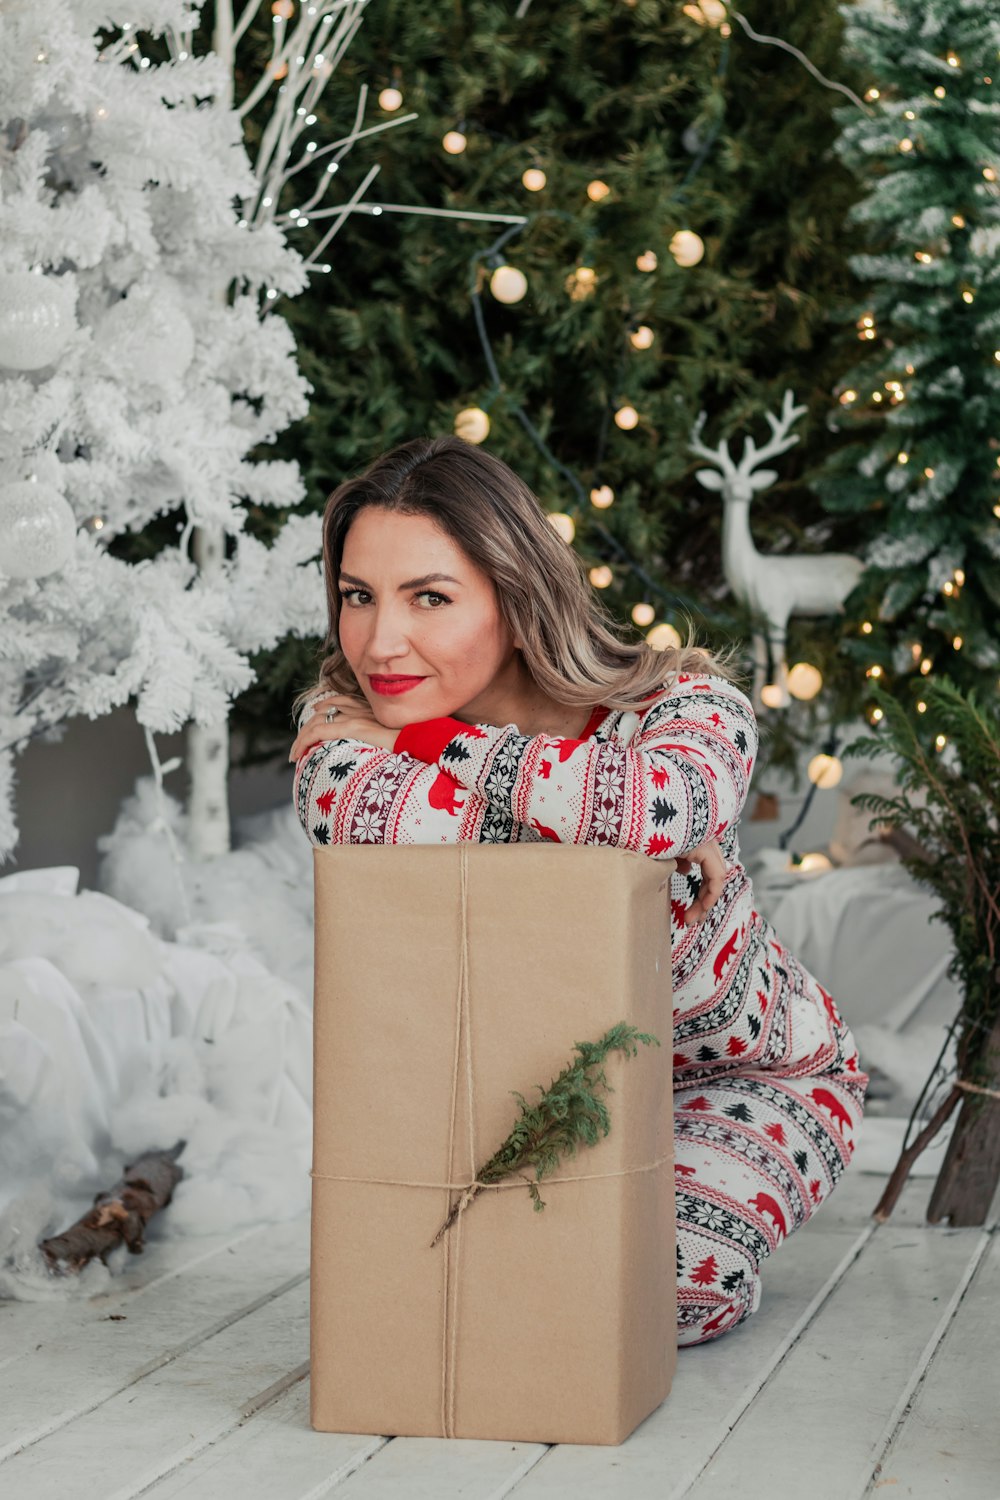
x: 568, y: 1114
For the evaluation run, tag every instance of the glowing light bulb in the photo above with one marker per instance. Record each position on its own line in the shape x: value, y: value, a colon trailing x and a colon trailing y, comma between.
x: 282, y: 9
x: 989, y: 174
x: 874, y: 671
x: 454, y: 142
x: 601, y: 577
x: 602, y: 496
x: 957, y: 643
x: 641, y: 337
x: 472, y: 424
x: 847, y: 397
x: 958, y: 221
x: 597, y: 190
x: 940, y: 91
x: 825, y: 771
x: 902, y: 458
x: 643, y: 614
x: 626, y: 417
x: 771, y: 695
x: 872, y: 95
x: 952, y: 60
x: 646, y: 261
x: 876, y: 715
x: 663, y: 636
x: 804, y: 680
x: 563, y: 525
x: 968, y: 296
x: 959, y: 576
x: 940, y: 741
x: 925, y: 666
x: 581, y: 283
x: 687, y: 248
x: 390, y: 99
x: 905, y: 144
x: 866, y: 628
x: 508, y: 284
x: 921, y: 707
x: 814, y: 862
x: 534, y: 179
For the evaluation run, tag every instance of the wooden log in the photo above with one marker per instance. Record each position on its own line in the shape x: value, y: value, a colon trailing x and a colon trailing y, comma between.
x: 120, y: 1215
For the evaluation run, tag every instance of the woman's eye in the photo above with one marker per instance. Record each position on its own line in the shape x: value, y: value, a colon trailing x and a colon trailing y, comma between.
x: 431, y: 593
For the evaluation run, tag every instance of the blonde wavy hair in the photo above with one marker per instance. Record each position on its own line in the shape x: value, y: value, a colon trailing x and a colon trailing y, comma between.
x: 571, y: 643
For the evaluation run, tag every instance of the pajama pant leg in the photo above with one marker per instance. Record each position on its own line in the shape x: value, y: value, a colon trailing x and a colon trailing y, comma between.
x: 756, y: 1153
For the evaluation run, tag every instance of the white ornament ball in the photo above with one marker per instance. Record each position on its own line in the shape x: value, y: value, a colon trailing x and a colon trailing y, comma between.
x: 687, y: 248
x: 147, y: 336
x: 508, y: 284
x: 37, y: 318
x: 37, y: 530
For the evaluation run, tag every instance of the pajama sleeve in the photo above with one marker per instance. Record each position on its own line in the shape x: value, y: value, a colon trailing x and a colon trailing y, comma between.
x: 682, y: 779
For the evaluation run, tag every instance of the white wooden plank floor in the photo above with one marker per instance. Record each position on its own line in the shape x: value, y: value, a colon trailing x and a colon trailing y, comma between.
x: 870, y: 1368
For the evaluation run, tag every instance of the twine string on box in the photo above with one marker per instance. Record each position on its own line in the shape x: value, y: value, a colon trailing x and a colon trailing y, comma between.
x: 470, y: 1187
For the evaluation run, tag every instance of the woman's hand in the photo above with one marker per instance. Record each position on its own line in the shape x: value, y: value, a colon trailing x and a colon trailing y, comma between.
x: 713, y: 877
x: 353, y: 720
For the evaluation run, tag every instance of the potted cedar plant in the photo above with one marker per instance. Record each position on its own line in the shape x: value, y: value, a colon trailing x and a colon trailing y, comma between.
x: 945, y: 822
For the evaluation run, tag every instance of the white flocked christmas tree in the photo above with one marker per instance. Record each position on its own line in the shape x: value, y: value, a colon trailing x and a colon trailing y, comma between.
x: 142, y: 362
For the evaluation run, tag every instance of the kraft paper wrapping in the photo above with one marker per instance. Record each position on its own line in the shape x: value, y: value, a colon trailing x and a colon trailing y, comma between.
x: 464, y: 971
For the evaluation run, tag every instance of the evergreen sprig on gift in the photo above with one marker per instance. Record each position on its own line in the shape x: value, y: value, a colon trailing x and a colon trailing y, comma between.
x: 568, y: 1114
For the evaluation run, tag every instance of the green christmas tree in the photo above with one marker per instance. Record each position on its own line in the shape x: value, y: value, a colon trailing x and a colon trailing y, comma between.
x: 922, y: 471
x: 630, y: 139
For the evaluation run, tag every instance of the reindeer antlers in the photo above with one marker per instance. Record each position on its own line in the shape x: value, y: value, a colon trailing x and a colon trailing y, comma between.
x: 752, y: 456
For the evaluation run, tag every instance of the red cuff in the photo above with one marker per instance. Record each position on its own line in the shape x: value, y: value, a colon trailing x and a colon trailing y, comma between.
x: 426, y: 740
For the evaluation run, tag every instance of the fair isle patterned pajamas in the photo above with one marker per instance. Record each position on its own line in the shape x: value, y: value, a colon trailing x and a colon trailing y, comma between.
x: 768, y: 1092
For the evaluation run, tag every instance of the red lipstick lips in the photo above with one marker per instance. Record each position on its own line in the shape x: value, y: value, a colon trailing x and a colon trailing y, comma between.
x: 390, y: 685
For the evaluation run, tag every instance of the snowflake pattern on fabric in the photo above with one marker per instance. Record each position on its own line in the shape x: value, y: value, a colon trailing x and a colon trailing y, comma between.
x: 768, y: 1088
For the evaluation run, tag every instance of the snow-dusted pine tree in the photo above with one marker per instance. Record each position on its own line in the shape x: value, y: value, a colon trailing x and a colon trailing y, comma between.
x: 924, y: 396
x: 141, y: 366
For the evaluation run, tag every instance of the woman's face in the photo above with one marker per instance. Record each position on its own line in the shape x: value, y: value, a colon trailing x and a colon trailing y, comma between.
x: 396, y: 620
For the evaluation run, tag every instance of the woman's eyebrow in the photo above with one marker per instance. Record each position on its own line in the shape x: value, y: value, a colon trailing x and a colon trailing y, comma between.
x: 411, y: 583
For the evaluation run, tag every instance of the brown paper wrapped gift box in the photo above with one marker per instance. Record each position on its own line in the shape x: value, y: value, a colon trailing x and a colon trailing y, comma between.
x: 454, y: 973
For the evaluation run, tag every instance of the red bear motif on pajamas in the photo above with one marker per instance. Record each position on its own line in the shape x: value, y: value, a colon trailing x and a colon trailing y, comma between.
x: 765, y: 1204
x: 442, y: 794
x: 838, y: 1113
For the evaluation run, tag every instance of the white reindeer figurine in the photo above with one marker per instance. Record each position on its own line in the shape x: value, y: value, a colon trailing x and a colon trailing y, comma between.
x: 776, y: 587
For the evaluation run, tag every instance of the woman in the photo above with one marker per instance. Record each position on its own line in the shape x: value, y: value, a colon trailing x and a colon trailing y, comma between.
x: 473, y: 687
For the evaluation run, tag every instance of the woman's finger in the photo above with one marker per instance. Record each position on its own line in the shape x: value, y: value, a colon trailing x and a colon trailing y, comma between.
x: 713, y: 878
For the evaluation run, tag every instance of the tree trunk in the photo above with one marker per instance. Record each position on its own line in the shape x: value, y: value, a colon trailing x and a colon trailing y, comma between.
x: 970, y: 1171
x: 208, y: 744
